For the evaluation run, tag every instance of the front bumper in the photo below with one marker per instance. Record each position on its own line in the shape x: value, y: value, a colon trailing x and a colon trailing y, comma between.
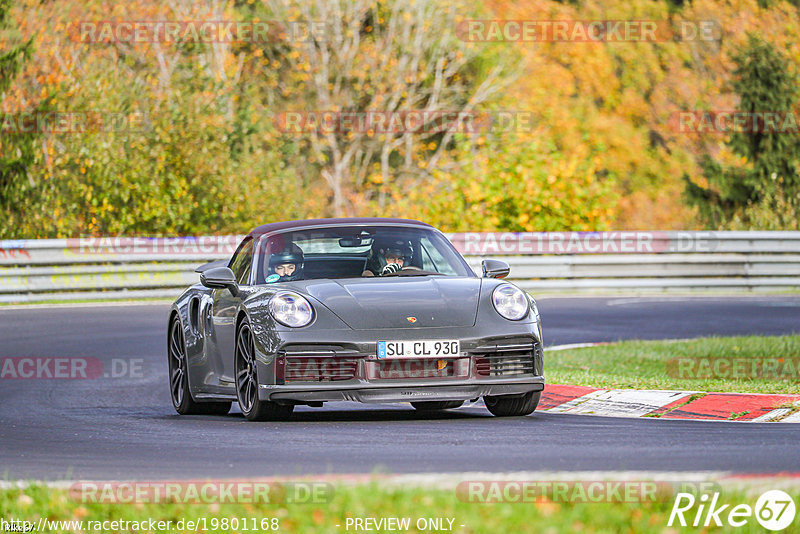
x: 408, y: 391
x: 304, y: 372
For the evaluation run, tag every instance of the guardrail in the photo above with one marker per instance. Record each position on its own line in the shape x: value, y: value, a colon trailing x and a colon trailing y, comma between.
x: 106, y: 268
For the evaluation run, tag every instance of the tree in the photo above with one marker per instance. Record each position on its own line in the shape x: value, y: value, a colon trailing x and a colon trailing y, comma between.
x: 16, y: 148
x: 513, y: 182
x: 383, y: 58
x: 769, y: 175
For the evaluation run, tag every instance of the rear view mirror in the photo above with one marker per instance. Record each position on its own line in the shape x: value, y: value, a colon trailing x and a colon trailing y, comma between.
x: 355, y: 241
x: 495, y: 269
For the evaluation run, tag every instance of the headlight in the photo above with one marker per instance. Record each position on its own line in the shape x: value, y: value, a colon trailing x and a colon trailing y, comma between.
x: 510, y: 302
x: 291, y: 309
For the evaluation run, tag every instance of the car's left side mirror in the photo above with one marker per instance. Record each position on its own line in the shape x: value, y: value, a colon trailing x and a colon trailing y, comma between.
x: 218, y: 278
x: 495, y: 269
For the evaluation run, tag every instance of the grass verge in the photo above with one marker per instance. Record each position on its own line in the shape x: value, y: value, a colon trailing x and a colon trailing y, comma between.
x: 749, y: 364
x: 362, y: 501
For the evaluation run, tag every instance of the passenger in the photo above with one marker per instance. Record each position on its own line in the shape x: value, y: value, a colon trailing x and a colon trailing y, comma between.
x: 287, y: 265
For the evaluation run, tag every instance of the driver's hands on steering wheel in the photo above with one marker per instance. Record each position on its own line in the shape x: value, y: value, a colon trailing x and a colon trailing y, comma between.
x: 390, y: 268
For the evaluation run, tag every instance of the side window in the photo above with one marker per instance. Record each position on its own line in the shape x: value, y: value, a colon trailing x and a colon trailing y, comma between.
x: 432, y: 259
x: 427, y: 262
x: 242, y: 263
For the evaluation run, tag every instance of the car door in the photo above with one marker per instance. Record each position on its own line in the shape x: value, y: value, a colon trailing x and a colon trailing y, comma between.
x: 224, y: 308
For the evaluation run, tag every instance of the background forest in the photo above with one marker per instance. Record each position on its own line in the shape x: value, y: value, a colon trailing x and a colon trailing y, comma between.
x: 602, y: 150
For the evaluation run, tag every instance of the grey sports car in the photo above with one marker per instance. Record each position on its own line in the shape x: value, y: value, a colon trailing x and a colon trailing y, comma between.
x: 369, y: 310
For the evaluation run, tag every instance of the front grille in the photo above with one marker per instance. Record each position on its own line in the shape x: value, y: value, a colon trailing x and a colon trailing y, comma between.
x: 319, y: 369
x: 507, y: 359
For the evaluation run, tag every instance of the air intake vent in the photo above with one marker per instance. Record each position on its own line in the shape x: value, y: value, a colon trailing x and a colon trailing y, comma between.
x: 319, y: 369
x: 317, y: 363
x: 511, y: 359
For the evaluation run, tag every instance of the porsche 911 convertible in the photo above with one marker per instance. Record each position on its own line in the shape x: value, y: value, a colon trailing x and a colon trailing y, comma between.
x: 370, y: 310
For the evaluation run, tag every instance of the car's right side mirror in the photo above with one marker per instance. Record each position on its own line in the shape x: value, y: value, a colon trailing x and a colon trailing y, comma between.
x: 495, y: 269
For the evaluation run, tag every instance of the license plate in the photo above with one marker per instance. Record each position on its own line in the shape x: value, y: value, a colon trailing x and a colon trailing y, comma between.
x: 428, y: 348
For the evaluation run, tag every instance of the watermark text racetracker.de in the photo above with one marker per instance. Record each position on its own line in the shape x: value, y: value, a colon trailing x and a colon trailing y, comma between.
x: 205, y: 491
x: 631, y: 242
x: 587, y: 31
x: 69, y: 368
x: 73, y: 122
x: 156, y: 246
x: 733, y: 368
x: 411, y: 121
x: 731, y: 121
x: 196, y: 31
x: 575, y: 491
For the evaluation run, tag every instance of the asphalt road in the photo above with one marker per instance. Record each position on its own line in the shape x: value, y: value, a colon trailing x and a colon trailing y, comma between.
x: 126, y: 428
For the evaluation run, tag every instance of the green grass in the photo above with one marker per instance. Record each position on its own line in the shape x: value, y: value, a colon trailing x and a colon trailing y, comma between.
x: 372, y: 500
x: 644, y: 365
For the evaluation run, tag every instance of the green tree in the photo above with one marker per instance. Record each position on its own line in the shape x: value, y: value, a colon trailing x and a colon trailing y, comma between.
x: 16, y: 149
x: 768, y: 179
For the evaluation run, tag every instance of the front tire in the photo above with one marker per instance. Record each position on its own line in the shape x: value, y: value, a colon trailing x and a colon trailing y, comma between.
x: 179, y: 378
x: 252, y: 407
x: 436, y: 406
x: 513, y: 405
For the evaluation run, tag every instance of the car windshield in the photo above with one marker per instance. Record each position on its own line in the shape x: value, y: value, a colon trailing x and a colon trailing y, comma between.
x: 357, y: 251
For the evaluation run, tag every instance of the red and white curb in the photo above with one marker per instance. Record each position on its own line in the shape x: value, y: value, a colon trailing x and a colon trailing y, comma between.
x: 662, y: 404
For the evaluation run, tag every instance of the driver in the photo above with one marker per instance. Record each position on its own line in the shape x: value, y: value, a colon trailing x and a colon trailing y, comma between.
x: 388, y: 258
x: 287, y: 265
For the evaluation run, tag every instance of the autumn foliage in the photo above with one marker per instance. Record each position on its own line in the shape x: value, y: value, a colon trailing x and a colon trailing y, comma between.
x: 205, y: 154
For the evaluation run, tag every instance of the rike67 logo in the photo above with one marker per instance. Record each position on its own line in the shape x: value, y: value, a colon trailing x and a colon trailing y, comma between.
x: 774, y: 510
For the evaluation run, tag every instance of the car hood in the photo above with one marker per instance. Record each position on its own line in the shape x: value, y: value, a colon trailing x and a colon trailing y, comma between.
x: 402, y: 302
